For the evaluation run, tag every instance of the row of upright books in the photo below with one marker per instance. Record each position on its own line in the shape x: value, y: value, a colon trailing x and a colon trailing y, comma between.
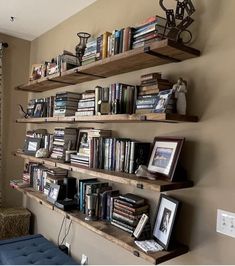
x: 153, y: 92
x: 40, y: 177
x: 122, y: 40
x: 97, y: 149
x: 122, y: 211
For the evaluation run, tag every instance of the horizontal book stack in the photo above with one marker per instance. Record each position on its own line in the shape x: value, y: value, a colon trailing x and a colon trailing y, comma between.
x: 64, y: 139
x: 152, y: 30
x: 86, y: 106
x: 118, y: 98
x: 67, y: 61
x: 66, y: 103
x: 85, y: 155
x: 90, y: 53
x: 127, y: 211
x: 54, y: 176
x: 151, y: 85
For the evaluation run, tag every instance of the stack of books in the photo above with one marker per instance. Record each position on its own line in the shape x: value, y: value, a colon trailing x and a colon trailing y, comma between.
x: 86, y: 106
x: 64, y: 139
x: 90, y: 53
x: 127, y: 211
x: 151, y: 85
x: 86, y: 147
x: 54, y: 176
x: 152, y: 30
x: 66, y: 103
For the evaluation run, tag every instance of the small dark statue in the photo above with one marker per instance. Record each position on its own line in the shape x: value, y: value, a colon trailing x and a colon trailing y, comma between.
x: 80, y: 48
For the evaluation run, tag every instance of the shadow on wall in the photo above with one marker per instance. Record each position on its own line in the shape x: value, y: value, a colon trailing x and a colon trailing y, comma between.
x: 207, y: 15
x: 191, y: 157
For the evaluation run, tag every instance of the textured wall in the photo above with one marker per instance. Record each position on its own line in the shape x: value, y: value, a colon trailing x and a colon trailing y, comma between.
x: 208, y: 154
x: 15, y: 72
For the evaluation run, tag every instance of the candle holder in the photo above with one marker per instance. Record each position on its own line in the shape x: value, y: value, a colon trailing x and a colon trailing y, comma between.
x: 80, y: 48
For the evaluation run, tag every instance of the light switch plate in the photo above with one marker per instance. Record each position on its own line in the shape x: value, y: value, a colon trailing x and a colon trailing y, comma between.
x: 225, y: 223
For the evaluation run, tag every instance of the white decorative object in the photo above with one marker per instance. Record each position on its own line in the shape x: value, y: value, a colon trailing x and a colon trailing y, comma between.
x: 180, y: 90
x: 42, y: 153
x: 142, y: 171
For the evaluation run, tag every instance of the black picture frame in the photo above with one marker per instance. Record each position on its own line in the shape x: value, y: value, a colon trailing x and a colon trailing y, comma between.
x: 165, y: 155
x: 39, y: 109
x: 53, y: 193
x: 32, y: 145
x: 165, y: 221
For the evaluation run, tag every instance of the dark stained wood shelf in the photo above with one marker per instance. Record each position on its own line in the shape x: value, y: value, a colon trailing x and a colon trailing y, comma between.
x: 108, y: 231
x: 157, y: 53
x: 122, y: 118
x: 117, y: 177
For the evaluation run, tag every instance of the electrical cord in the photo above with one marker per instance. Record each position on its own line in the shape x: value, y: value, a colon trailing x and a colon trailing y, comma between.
x: 58, y: 239
x: 66, y: 233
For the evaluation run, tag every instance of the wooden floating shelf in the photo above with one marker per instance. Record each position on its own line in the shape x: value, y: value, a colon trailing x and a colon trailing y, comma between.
x: 122, y: 118
x: 108, y: 231
x: 117, y: 177
x: 157, y: 53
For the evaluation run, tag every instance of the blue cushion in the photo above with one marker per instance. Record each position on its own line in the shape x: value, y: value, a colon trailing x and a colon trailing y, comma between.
x: 32, y: 250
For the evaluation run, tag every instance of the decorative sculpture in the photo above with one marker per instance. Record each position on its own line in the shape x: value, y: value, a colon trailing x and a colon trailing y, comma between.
x: 142, y: 171
x: 42, y: 153
x: 180, y: 90
x: 80, y: 48
x: 177, y: 31
x: 22, y: 112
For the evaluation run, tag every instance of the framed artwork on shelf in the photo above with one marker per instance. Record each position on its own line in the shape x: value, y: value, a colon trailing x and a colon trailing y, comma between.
x: 53, y: 193
x: 39, y: 109
x: 165, y: 156
x: 32, y: 145
x: 37, y: 72
x: 165, y: 220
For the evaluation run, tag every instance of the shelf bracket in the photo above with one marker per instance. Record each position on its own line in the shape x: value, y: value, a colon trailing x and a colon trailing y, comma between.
x: 147, y: 50
x: 59, y: 81
x: 87, y: 74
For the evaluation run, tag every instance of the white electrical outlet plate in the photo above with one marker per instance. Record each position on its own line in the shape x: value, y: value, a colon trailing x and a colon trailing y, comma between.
x: 84, y: 260
x: 225, y: 223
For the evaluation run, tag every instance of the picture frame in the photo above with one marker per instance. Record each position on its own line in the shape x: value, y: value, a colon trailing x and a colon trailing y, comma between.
x: 39, y: 109
x: 162, y: 102
x: 37, y: 72
x: 166, y: 216
x: 53, y: 193
x: 83, y: 144
x: 32, y: 145
x: 165, y: 155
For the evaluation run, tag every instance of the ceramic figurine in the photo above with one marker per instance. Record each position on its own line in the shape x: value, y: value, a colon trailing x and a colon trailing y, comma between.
x: 180, y: 90
x: 42, y: 153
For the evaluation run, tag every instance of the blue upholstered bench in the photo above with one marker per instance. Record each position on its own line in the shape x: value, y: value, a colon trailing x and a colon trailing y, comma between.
x: 33, y: 249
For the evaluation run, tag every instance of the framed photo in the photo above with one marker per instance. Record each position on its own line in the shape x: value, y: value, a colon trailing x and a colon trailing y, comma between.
x: 165, y: 156
x: 37, y: 71
x: 83, y: 142
x: 165, y: 220
x: 32, y: 145
x: 39, y: 109
x: 53, y: 193
x: 163, y: 102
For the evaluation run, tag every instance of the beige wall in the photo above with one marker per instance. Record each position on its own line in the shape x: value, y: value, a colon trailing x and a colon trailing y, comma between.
x: 15, y: 72
x: 208, y: 154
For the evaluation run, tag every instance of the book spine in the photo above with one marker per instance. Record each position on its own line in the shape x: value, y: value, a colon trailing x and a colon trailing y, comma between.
x: 99, y: 48
x: 117, y: 42
x: 132, y: 157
